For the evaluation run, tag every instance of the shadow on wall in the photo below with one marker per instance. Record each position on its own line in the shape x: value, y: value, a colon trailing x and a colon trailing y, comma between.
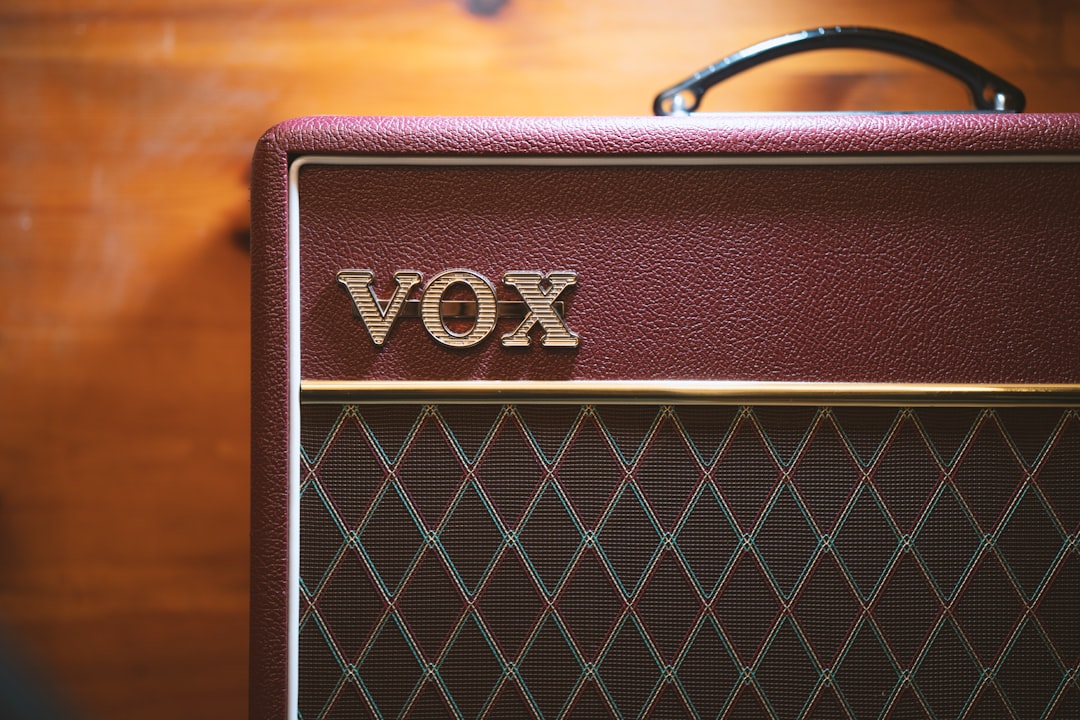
x: 24, y: 693
x: 485, y: 7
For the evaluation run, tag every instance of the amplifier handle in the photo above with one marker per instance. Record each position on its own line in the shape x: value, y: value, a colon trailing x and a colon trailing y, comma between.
x: 988, y: 91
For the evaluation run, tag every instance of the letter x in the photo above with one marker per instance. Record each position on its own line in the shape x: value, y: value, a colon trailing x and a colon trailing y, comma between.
x: 540, y: 303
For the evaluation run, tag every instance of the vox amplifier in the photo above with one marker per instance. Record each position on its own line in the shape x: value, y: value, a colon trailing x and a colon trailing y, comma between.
x: 739, y: 417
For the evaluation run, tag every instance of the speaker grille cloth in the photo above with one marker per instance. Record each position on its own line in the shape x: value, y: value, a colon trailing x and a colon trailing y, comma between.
x: 693, y: 561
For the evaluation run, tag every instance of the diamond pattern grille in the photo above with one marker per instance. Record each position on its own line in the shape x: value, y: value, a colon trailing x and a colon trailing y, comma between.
x: 692, y: 561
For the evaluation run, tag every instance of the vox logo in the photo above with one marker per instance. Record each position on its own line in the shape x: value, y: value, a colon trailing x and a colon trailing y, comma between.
x: 471, y: 320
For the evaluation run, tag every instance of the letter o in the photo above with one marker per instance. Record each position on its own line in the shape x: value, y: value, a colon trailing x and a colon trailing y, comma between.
x: 486, y: 308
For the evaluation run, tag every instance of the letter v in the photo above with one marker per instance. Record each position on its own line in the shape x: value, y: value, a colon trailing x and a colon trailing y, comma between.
x: 377, y: 319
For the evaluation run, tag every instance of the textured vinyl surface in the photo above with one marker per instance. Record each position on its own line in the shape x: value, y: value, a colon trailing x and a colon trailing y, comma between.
x: 962, y: 273
x: 689, y: 561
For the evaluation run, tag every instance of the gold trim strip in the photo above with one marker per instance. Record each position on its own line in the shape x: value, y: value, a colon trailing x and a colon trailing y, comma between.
x: 686, y: 392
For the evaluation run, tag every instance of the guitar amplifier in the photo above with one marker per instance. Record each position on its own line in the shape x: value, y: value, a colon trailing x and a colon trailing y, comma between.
x: 701, y: 417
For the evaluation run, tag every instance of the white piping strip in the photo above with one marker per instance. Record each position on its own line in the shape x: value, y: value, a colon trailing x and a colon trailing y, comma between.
x: 685, y: 161
x: 292, y: 708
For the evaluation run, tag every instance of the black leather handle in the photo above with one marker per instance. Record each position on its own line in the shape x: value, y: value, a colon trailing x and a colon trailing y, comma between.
x: 988, y: 91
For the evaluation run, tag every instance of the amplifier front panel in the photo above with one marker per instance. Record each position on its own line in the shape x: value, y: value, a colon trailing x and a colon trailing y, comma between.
x: 537, y: 560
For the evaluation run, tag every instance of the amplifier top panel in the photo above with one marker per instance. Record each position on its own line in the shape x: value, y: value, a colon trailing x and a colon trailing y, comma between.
x: 825, y: 248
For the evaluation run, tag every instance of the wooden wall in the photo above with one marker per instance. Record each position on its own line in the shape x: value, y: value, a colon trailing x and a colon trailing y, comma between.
x: 127, y: 130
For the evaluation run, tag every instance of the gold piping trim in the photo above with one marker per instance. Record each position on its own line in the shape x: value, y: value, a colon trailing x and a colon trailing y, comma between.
x: 685, y: 392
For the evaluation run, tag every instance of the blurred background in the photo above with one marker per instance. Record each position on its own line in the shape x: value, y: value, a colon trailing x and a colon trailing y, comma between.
x: 128, y: 128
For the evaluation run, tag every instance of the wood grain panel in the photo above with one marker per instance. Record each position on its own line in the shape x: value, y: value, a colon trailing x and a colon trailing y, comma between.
x: 129, y: 126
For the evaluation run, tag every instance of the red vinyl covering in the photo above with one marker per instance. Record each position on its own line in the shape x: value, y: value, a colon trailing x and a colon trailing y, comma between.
x: 889, y: 270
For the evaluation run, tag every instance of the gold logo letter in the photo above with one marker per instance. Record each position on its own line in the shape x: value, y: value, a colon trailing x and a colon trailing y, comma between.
x: 540, y: 301
x: 377, y: 319
x: 486, y: 308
